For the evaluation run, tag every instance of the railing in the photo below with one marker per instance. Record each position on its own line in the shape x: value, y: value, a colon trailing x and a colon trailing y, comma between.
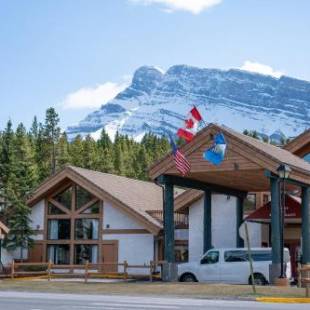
x: 87, y: 270
x: 304, y: 278
x: 180, y: 219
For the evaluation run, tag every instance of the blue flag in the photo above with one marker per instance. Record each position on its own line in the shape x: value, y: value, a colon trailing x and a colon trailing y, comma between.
x: 216, y: 153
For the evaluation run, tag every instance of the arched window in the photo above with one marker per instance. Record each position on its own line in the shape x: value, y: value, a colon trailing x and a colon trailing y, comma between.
x: 307, y: 157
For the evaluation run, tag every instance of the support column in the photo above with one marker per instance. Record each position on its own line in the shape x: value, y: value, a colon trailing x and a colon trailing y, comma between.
x: 239, y: 221
x: 305, y: 228
x: 170, y: 272
x: 275, y: 229
x: 169, y: 223
x: 207, y: 221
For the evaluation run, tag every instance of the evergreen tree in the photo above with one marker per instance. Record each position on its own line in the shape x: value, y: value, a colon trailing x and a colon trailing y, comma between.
x: 52, y: 134
x: 19, y: 236
x: 63, y: 155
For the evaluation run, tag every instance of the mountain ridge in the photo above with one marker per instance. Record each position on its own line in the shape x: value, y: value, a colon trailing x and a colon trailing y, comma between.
x: 159, y: 101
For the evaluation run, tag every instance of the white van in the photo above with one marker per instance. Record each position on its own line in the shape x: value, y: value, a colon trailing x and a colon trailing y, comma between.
x: 232, y: 266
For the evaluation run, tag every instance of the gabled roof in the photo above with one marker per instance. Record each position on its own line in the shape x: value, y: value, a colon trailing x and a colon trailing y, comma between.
x: 186, y: 199
x: 132, y: 196
x: 244, y: 165
x: 299, y: 145
x: 292, y: 211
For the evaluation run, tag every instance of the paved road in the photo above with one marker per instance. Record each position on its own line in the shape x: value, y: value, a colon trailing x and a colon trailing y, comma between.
x: 47, y: 301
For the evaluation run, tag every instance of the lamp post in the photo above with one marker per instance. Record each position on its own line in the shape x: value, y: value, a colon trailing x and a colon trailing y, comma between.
x: 284, y: 172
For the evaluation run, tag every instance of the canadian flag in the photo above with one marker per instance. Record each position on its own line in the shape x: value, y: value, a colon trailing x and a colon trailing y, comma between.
x: 191, y: 125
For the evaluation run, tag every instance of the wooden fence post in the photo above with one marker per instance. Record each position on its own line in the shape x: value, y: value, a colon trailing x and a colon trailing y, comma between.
x: 49, y: 267
x: 125, y: 270
x: 12, y: 269
x: 299, y: 275
x: 86, y: 271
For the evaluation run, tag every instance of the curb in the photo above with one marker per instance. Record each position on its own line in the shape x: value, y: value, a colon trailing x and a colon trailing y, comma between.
x: 284, y: 300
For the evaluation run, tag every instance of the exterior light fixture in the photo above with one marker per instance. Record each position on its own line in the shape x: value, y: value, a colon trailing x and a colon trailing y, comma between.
x: 284, y: 171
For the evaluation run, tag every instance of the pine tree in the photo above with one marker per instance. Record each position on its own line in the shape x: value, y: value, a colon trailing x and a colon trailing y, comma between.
x: 52, y: 134
x: 24, y: 167
x: 19, y: 236
x: 76, y: 151
x: 63, y: 154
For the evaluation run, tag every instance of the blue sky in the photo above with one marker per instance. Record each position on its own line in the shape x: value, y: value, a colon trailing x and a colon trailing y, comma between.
x: 76, y: 54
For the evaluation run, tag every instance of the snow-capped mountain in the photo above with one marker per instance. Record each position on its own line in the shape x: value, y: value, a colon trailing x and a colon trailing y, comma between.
x: 159, y: 102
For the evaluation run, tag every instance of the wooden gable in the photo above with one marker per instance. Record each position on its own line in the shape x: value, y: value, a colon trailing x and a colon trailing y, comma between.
x: 243, y: 167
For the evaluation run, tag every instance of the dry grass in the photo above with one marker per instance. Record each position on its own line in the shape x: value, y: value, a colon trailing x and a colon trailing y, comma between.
x: 196, y: 290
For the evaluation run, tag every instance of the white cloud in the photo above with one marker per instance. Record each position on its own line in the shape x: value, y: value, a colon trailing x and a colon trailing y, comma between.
x: 260, y: 68
x: 94, y: 97
x: 192, y: 6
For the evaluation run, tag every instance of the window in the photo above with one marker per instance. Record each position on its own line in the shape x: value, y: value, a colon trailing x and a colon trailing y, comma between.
x: 86, y: 229
x: 211, y: 258
x: 58, y: 229
x: 82, y: 197
x: 265, y: 198
x: 235, y: 256
x: 250, y: 202
x: 59, y: 253
x: 261, y: 256
x: 85, y: 252
x: 181, y: 253
x: 65, y: 198
x: 53, y: 210
x: 94, y: 209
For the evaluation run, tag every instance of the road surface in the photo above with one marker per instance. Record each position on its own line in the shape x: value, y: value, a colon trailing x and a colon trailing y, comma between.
x: 49, y: 301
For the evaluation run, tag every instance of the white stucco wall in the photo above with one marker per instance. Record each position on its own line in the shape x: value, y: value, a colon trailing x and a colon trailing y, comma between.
x: 223, y: 224
x: 116, y: 219
x: 37, y: 216
x: 136, y: 249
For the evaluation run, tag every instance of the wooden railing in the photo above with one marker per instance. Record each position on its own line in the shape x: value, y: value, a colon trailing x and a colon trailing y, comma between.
x: 87, y: 270
x: 180, y: 219
x: 304, y: 278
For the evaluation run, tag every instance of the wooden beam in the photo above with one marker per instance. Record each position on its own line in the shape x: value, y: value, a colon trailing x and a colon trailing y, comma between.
x: 185, y: 182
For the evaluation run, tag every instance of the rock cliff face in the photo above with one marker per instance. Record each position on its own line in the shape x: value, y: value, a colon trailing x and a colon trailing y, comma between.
x: 158, y: 102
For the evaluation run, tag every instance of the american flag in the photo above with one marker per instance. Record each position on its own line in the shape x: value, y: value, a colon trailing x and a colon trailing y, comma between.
x: 181, y: 163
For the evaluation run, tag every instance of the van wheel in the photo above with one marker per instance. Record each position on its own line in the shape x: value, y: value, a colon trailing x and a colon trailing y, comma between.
x: 188, y: 277
x: 259, y: 279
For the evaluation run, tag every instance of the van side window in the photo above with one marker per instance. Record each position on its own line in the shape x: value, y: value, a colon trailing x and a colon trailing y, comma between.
x: 235, y: 256
x: 261, y: 256
x: 211, y: 258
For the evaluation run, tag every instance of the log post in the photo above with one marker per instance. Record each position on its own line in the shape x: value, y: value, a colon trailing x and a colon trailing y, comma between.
x: 12, y: 269
x: 49, y: 267
x: 86, y: 271
x: 125, y: 270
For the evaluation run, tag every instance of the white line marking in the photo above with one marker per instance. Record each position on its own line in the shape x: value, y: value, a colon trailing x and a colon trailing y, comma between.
x: 144, y: 306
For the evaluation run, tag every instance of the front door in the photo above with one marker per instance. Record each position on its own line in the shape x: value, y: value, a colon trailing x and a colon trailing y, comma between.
x: 110, y: 256
x: 35, y: 254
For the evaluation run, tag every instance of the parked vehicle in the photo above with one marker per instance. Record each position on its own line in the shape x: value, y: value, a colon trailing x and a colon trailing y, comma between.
x: 231, y: 266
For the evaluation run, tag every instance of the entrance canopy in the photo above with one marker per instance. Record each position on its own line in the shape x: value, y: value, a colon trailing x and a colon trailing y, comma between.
x: 292, y: 211
x: 245, y: 165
